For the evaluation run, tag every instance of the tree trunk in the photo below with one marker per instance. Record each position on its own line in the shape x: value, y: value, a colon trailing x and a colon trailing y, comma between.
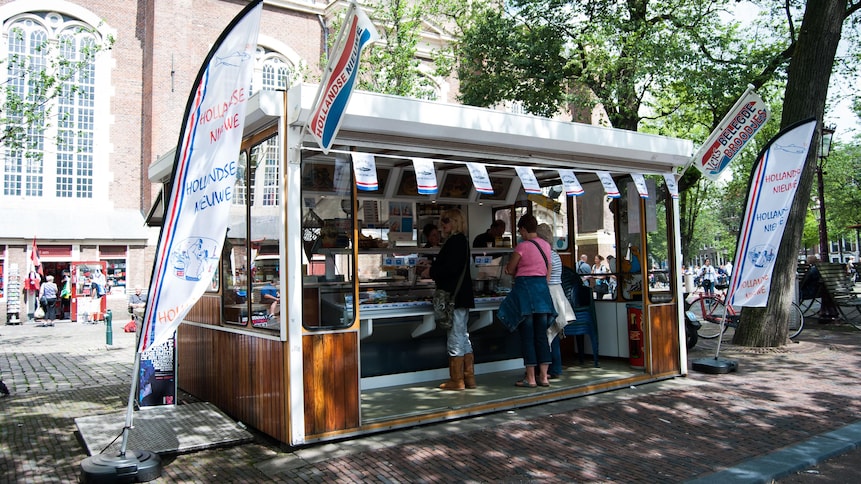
x: 806, y: 91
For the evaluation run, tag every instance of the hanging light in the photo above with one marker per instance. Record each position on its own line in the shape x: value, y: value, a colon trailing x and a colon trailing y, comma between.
x: 825, y: 142
x: 824, y: 150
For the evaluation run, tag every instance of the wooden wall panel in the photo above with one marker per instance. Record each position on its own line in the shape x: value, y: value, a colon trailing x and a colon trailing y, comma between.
x: 310, y: 307
x: 207, y: 310
x: 664, y: 339
x: 240, y: 374
x: 331, y: 375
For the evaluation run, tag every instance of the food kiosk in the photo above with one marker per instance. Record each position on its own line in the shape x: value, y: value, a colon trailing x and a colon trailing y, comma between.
x: 352, y: 347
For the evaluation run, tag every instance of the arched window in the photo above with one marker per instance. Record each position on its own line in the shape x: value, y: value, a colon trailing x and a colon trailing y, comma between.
x: 273, y: 71
x: 49, y: 141
x: 276, y: 73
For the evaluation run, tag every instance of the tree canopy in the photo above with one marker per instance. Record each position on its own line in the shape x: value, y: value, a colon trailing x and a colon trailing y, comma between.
x: 679, y: 61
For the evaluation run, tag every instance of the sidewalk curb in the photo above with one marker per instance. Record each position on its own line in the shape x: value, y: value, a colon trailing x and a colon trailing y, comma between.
x: 791, y: 459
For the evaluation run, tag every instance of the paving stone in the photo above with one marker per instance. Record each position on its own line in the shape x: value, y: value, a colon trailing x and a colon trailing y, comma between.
x: 683, y: 429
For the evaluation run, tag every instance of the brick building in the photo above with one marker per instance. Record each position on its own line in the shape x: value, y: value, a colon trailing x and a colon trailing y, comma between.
x: 86, y: 196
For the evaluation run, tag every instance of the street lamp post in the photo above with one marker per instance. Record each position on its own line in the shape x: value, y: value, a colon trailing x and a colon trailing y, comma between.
x: 824, y: 151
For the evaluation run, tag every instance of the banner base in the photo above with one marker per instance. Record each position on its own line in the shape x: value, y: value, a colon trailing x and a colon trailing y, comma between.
x: 134, y: 466
x: 714, y: 365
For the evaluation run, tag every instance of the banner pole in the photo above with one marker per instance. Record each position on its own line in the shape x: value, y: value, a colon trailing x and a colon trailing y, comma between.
x: 125, y: 466
x: 722, y: 328
x: 130, y: 409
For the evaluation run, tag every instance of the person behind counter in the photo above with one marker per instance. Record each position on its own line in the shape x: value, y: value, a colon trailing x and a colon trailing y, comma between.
x: 431, y: 233
x: 488, y: 238
x: 450, y: 265
x: 530, y: 266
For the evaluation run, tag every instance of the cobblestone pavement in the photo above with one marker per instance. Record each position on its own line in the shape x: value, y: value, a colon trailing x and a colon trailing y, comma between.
x: 671, y: 431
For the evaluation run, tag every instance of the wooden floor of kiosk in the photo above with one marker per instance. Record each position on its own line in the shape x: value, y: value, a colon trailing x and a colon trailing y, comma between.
x: 387, y: 403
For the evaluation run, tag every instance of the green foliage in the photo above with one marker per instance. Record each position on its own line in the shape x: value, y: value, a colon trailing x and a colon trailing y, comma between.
x: 675, y: 60
x: 810, y: 236
x: 842, y: 180
x: 26, y: 115
x: 393, y: 65
x: 502, y: 60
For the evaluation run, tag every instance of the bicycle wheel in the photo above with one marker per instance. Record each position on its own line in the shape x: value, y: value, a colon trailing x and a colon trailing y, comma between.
x: 710, y: 311
x: 796, y: 321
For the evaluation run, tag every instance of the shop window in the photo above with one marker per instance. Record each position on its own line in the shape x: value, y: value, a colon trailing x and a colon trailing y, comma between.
x: 662, y: 276
x: 250, y: 259
x: 328, y: 214
x: 630, y: 254
x: 596, y: 229
x: 116, y: 274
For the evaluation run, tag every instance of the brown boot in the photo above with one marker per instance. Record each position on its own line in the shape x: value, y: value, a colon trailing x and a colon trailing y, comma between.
x: 455, y: 371
x: 469, y: 371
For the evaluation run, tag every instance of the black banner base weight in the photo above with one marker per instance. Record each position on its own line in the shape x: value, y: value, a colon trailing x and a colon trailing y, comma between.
x: 714, y: 365
x: 134, y: 466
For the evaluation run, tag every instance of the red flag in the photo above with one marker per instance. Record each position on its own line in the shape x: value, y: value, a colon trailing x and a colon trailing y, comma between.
x: 34, y: 258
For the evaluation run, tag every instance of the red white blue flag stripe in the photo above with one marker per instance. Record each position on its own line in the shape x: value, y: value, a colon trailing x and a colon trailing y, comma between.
x: 729, y: 138
x: 774, y: 182
x: 340, y: 77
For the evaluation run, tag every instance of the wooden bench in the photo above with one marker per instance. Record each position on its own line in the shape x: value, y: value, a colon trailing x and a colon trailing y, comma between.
x: 836, y: 283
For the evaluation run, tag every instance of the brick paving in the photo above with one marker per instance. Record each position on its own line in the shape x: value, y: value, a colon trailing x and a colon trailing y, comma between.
x: 671, y: 431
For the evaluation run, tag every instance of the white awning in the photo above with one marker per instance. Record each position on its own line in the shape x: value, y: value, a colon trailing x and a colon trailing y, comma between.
x: 398, y: 126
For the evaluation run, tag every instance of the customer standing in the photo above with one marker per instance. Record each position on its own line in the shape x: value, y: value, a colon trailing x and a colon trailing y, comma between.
x: 450, y: 266
x: 99, y: 284
x: 530, y: 266
x: 48, y: 293
x: 708, y: 276
x: 583, y: 269
x: 564, y: 311
x: 601, y: 287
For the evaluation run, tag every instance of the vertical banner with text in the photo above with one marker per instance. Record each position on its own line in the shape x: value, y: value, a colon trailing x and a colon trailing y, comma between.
x: 204, y: 175
x: 773, y: 184
x: 338, y: 82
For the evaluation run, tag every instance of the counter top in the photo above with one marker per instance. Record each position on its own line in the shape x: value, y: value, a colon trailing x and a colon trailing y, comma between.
x: 364, y: 307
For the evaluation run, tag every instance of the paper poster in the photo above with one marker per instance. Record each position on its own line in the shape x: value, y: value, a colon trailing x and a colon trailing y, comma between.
x: 609, y: 184
x: 570, y: 183
x: 480, y: 179
x: 672, y: 186
x: 527, y: 178
x: 400, y: 220
x: 640, y: 183
x: 425, y: 176
x: 365, y: 170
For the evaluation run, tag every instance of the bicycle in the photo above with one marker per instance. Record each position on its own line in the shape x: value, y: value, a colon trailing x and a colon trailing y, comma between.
x: 711, y: 308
